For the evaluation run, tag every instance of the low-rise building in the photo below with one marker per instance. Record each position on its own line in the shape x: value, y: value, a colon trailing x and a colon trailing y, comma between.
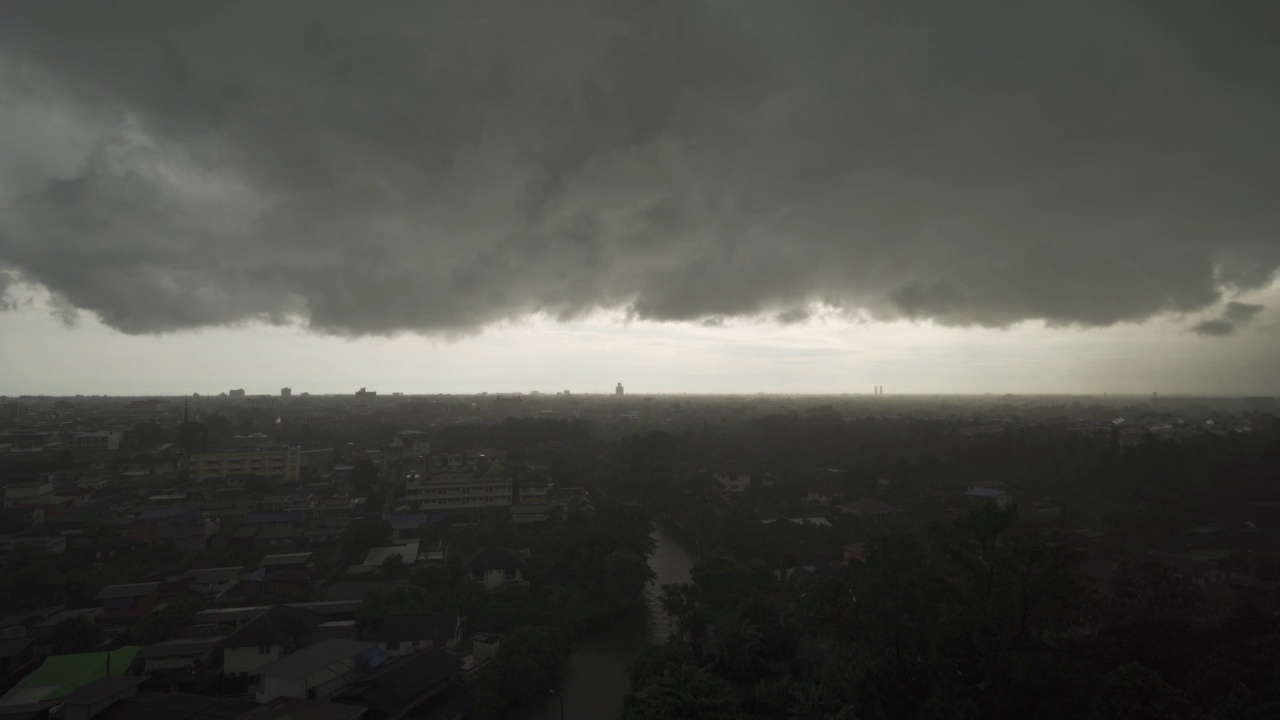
x: 18, y: 491
x: 734, y: 482
x: 269, y: 636
x: 132, y: 600
x: 408, y: 554
x: 211, y: 581
x: 870, y: 509
x: 404, y: 633
x: 178, y: 656
x: 319, y: 671
x: 455, y: 491
x: 496, y: 567
x: 1001, y: 498
x: 95, y: 441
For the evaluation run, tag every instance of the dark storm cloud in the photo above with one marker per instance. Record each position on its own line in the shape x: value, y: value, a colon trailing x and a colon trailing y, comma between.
x: 1241, y: 312
x: 1234, y: 314
x: 1217, y: 327
x: 439, y: 166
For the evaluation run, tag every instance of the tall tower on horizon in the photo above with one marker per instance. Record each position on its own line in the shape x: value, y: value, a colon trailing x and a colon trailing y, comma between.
x: 618, y: 390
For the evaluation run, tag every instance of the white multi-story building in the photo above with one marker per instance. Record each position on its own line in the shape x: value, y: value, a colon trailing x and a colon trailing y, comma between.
x: 455, y: 491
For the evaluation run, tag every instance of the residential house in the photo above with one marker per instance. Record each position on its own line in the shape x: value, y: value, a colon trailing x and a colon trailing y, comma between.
x: 1196, y: 572
x: 404, y: 633
x: 408, y: 526
x: 244, y: 591
x: 355, y: 590
x: 421, y: 684
x: 286, y: 561
x: 189, y: 533
x: 319, y: 671
x: 211, y: 581
x: 870, y: 509
x: 42, y: 629
x: 1001, y: 498
x: 407, y: 553
x: 823, y: 495
x: 495, y: 567
x: 178, y: 706
x: 272, y: 634
x: 325, y: 535
x: 108, y: 549
x: 179, y: 656
x: 90, y: 699
x: 15, y: 653
x: 287, y: 708
x: 278, y: 519
x: 816, y: 521
x: 128, y: 601
x: 279, y: 539
x: 853, y: 552
x: 19, y: 624
x: 735, y: 482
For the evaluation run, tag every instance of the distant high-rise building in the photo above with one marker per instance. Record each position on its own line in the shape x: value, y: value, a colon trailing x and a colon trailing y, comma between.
x: 618, y: 390
x: 286, y: 392
x: 237, y: 393
x: 362, y: 393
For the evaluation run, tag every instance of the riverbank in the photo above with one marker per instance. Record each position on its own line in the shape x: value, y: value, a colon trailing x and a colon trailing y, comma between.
x: 596, y: 678
x: 687, y: 538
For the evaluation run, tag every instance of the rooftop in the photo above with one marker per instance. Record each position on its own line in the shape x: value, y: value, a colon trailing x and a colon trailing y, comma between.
x: 434, y: 626
x: 285, y: 559
x: 60, y: 674
x: 176, y: 706
x: 213, y: 574
x: 317, y: 657
x: 293, y: 709
x: 407, y: 552
x: 103, y: 688
x: 131, y: 590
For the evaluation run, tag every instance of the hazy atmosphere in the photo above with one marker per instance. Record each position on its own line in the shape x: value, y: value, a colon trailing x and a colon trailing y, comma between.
x: 640, y: 359
x: 735, y: 196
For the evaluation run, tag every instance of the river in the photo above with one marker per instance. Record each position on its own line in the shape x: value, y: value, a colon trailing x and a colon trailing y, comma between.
x: 597, y: 678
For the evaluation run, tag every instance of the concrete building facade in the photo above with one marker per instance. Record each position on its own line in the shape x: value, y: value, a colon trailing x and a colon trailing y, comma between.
x: 278, y: 464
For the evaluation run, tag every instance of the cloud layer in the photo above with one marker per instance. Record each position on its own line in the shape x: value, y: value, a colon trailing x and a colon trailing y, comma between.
x: 436, y: 167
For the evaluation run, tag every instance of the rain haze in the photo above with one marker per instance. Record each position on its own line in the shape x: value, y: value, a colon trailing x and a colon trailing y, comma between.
x: 710, y: 196
x: 640, y: 359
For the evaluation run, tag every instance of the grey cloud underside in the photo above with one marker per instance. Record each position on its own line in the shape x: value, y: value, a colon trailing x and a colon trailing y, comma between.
x: 1234, y: 315
x: 440, y: 166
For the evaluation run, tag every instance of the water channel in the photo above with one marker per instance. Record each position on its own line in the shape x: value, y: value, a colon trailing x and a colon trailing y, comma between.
x: 597, y: 678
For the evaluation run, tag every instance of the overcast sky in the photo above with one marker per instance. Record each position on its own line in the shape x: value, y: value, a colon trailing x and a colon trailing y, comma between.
x: 728, y: 195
